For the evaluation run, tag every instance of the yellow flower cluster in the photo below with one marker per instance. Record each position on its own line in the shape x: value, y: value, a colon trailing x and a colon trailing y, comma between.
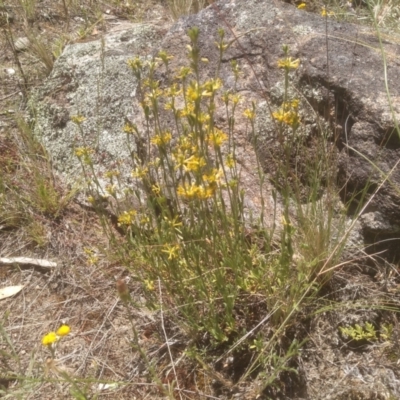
x: 135, y: 64
x: 127, y: 218
x: 53, y: 337
x: 195, y: 178
x: 92, y: 257
x: 140, y: 172
x: 156, y: 189
x: 172, y: 91
x: 230, y: 161
x: 288, y: 114
x: 164, y: 57
x: 162, y: 139
x: 193, y: 163
x: 49, y: 339
x: 217, y: 137
x: 83, y: 152
x: 250, y: 114
x: 326, y: 13
x: 130, y: 128
x: 214, y: 177
x: 195, y: 91
x: 172, y: 251
x: 196, y: 192
x: 211, y: 86
x: 78, y: 119
x: 111, y: 190
x: 288, y: 63
x: 228, y: 96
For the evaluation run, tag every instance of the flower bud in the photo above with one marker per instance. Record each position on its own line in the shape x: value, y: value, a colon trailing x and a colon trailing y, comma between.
x: 123, y: 291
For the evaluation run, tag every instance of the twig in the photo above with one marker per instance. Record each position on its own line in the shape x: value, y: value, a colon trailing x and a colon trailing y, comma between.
x: 200, y: 394
x: 9, y: 95
x: 166, y: 340
x: 27, y: 261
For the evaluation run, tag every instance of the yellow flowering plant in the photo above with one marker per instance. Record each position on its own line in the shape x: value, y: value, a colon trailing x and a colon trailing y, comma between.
x: 184, y: 216
x: 51, y: 339
x: 193, y: 178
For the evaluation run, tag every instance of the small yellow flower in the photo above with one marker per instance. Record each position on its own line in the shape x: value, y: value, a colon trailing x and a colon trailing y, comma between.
x: 301, y: 6
x: 185, y: 143
x: 289, y: 63
x: 127, y: 218
x: 326, y: 13
x: 295, y: 103
x: 154, y: 94
x: 193, y: 163
x: 156, y: 189
x: 163, y: 55
x: 188, y: 110
x: 144, y: 220
x: 91, y: 200
x: 173, y: 223
x: 290, y: 117
x: 111, y: 190
x: 172, y: 251
x: 235, y: 99
x: 206, y: 192
x: 193, y: 92
x: 77, y: 119
x: 233, y: 183
x: 221, y: 46
x: 279, y: 115
x: 172, y: 91
x: 217, y: 138
x: 179, y: 158
x: 162, y: 139
x: 183, y: 73
x: 169, y: 105
x: 249, y: 113
x: 92, y: 258
x: 140, y: 172
x: 214, y: 177
x: 149, y: 284
x: 135, y: 64
x: 203, y: 118
x: 130, y: 128
x: 194, y: 191
x: 49, y: 339
x: 188, y: 192
x: 83, y: 152
x: 63, y: 330
x: 230, y: 161
x: 211, y: 86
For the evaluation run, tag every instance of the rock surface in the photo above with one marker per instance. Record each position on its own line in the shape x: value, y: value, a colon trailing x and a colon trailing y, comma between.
x: 92, y: 80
